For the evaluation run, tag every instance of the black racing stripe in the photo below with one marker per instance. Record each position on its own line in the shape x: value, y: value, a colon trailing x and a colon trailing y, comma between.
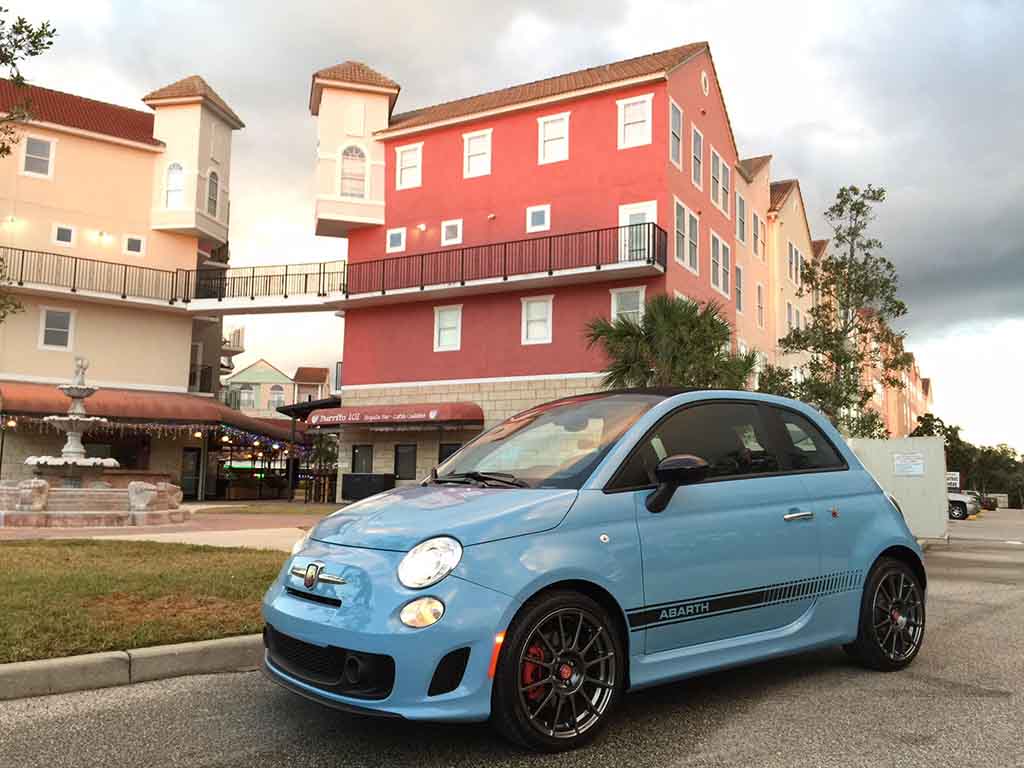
x: 689, y: 609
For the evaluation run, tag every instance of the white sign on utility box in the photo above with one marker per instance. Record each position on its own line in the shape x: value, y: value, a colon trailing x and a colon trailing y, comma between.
x: 913, y: 470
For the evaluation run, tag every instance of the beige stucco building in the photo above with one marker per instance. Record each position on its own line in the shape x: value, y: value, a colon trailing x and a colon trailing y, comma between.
x: 110, y: 220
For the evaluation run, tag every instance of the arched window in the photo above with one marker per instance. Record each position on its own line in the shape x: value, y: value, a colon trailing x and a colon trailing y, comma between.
x: 276, y: 396
x: 174, y: 188
x: 246, y: 396
x: 212, y: 189
x: 353, y: 172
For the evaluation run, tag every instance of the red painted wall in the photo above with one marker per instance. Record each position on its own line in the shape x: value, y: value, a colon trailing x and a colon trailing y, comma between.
x: 395, y: 342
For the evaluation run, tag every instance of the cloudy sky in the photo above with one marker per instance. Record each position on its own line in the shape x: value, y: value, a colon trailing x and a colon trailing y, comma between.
x: 922, y: 98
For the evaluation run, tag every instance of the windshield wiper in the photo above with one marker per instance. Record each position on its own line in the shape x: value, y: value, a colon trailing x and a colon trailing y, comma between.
x: 502, y: 478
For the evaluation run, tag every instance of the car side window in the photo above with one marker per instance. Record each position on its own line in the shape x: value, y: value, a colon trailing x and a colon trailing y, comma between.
x: 730, y: 436
x: 803, y: 445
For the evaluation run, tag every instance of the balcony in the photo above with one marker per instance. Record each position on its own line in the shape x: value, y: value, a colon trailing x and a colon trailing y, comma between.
x: 233, y: 343
x: 628, y: 252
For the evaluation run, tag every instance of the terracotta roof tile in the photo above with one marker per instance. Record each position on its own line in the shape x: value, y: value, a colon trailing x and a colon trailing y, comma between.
x: 780, y: 192
x: 358, y: 73
x: 309, y: 375
x: 193, y: 87
x: 752, y: 166
x: 48, y: 106
x: 649, y: 64
x: 819, y: 246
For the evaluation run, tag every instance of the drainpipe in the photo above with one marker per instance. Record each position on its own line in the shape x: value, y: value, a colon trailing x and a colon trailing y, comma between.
x: 291, y: 464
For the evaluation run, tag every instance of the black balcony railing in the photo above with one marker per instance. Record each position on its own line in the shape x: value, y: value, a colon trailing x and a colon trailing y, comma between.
x: 634, y: 244
x: 590, y: 250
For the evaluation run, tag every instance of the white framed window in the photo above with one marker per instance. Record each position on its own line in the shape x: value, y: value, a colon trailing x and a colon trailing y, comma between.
x: 760, y: 305
x: 553, y: 138
x: 687, y: 237
x: 56, y: 329
x: 174, y: 186
x: 395, y: 240
x: 246, y: 396
x: 719, y: 182
x: 212, y: 193
x: 133, y: 245
x: 538, y: 218
x: 741, y: 219
x: 795, y: 265
x: 738, y: 286
x: 537, y: 319
x: 353, y: 178
x: 796, y: 318
x: 755, y: 231
x: 451, y: 232
x: 276, y: 398
x: 448, y: 328
x: 38, y: 157
x: 628, y: 303
x: 409, y: 166
x: 476, y: 154
x: 675, y: 134
x: 64, y: 235
x: 721, y: 268
x: 697, y: 151
x: 789, y: 315
x: 799, y: 268
x: 635, y: 121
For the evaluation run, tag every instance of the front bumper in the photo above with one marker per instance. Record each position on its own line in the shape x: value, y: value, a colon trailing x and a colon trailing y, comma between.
x: 367, y: 623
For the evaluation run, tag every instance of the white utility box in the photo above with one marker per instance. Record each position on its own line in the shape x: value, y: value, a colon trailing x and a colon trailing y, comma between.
x: 913, y: 470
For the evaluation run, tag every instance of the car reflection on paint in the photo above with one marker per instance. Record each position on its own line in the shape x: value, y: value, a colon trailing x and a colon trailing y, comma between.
x: 592, y: 546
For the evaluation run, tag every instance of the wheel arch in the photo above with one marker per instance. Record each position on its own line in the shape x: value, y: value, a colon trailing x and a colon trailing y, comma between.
x: 598, y: 594
x: 908, y: 556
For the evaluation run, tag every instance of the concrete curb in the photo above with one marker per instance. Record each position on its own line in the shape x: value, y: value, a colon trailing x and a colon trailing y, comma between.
x: 103, y: 670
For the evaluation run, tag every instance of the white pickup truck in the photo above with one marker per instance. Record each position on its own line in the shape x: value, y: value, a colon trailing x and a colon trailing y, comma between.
x: 961, y: 505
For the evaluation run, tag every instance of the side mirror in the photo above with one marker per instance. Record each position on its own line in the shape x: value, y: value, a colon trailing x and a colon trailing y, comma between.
x: 672, y: 472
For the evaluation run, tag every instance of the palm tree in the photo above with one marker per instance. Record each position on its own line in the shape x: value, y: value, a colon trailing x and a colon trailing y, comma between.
x: 677, y: 343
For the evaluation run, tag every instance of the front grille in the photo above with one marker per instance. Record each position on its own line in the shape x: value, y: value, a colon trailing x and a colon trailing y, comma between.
x: 338, y: 670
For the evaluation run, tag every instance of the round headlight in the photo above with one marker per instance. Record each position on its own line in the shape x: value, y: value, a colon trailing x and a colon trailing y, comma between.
x: 428, y: 562
x: 422, y: 612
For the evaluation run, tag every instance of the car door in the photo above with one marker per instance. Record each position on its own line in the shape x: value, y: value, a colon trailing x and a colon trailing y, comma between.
x: 842, y: 500
x: 733, y: 555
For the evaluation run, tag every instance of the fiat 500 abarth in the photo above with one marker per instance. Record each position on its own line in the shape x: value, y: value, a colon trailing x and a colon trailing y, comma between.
x: 595, y: 545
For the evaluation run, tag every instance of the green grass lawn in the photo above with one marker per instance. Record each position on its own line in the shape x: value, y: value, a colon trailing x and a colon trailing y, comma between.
x: 270, y: 508
x: 61, y: 598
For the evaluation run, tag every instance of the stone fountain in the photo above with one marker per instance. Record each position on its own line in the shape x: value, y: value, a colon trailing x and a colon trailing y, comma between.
x: 66, y: 503
x: 74, y: 425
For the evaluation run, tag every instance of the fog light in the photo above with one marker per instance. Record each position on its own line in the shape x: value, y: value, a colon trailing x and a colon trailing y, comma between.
x: 422, y: 612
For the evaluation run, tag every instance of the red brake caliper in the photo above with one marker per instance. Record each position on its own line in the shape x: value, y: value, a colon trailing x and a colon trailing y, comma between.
x: 534, y: 672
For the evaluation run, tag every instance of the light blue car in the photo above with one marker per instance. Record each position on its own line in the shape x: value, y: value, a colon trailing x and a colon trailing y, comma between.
x: 595, y: 545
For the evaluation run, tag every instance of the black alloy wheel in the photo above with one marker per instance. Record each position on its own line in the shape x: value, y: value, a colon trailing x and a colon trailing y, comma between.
x: 892, y: 618
x: 560, y: 674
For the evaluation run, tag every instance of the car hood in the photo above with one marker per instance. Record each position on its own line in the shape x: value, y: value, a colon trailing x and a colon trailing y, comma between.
x: 402, y: 518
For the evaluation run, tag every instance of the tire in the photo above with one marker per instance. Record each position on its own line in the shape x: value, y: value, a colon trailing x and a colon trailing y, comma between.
x: 957, y: 510
x: 892, y: 618
x: 561, y: 673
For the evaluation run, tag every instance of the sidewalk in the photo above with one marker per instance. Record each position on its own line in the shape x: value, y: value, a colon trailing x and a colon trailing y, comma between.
x: 212, y: 528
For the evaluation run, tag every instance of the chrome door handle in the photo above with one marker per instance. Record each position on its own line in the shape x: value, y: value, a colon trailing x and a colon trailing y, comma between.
x: 798, y: 515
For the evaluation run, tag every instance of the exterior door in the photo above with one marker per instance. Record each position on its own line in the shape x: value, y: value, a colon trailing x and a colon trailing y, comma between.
x: 190, y: 467
x: 636, y: 242
x: 732, y: 556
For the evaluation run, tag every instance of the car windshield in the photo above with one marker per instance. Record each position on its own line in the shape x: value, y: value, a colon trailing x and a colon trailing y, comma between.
x: 556, y: 445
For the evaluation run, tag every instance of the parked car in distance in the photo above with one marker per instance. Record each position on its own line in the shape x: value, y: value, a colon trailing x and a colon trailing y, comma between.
x: 989, y: 503
x: 962, y: 505
x: 591, y: 546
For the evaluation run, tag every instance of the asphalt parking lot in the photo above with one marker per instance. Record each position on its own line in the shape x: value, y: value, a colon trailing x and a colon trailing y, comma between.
x: 960, y: 704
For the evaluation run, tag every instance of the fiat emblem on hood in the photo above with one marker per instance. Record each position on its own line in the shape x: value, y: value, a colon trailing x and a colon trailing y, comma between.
x: 312, y: 575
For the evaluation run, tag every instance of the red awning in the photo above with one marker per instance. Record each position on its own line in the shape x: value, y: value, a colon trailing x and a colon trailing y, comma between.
x: 19, y: 397
x: 413, y: 413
